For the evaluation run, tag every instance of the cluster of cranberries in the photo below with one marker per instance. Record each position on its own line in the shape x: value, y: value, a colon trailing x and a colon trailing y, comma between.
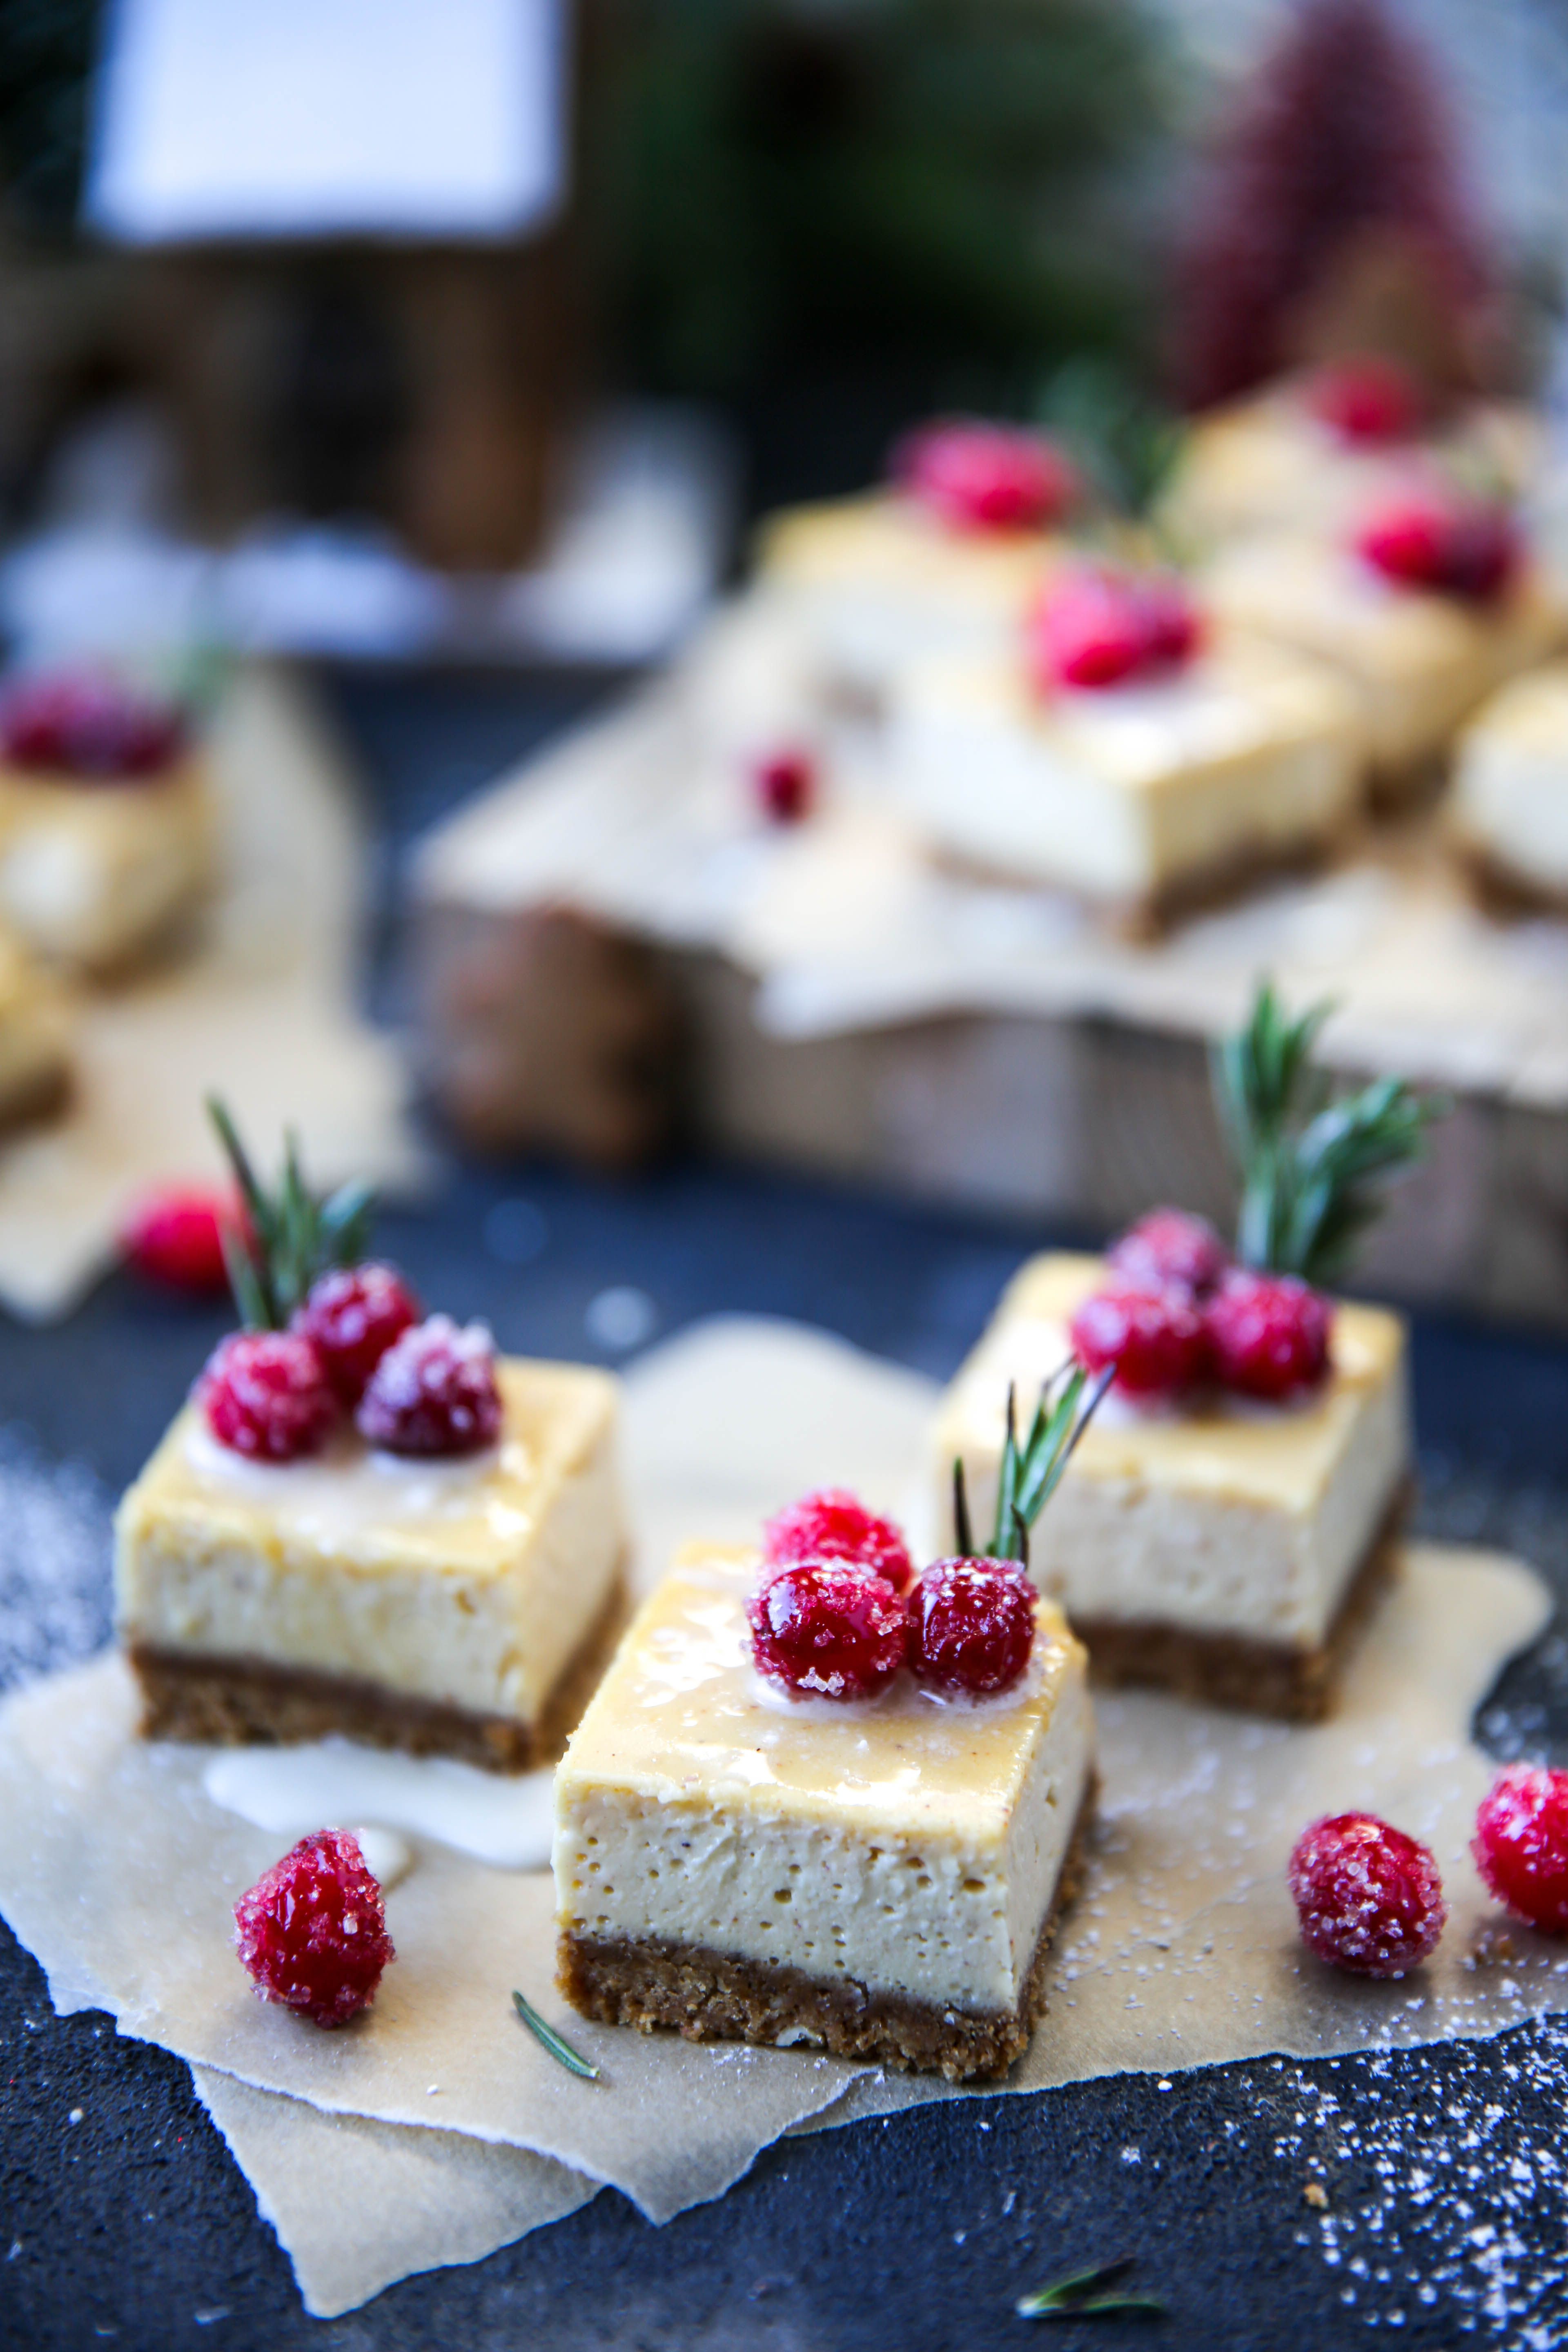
x: 1443, y: 541
x: 1098, y: 627
x: 977, y: 476
x: 1371, y: 1900
x: 357, y: 1348
x: 1367, y: 403
x: 313, y: 1929
x: 1178, y: 1313
x: 838, y: 1609
x: 91, y: 729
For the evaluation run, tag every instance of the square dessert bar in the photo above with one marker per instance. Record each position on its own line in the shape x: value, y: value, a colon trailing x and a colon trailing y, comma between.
x: 460, y: 1607
x: 1507, y: 811
x: 878, y: 1879
x: 93, y: 872
x: 1144, y: 796
x: 1230, y: 1550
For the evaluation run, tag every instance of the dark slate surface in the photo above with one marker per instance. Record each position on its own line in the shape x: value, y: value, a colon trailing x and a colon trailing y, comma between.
x: 1445, y: 2213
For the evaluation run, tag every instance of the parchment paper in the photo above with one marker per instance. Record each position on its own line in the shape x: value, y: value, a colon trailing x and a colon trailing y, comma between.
x: 261, y: 1007
x: 118, y: 1873
x: 644, y: 819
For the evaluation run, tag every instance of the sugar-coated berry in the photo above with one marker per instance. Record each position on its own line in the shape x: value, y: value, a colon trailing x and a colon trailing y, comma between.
x: 1520, y: 1844
x: 353, y: 1314
x: 972, y: 1625
x: 91, y: 729
x: 981, y: 477
x: 1155, y: 1338
x: 433, y: 1392
x: 1267, y: 1333
x: 786, y: 784
x: 1370, y: 1898
x: 1171, y: 1249
x: 1467, y: 548
x: 175, y: 1237
x: 1367, y: 401
x: 833, y: 1523
x: 825, y: 1629
x: 313, y: 1929
x: 266, y: 1395
x: 1095, y: 627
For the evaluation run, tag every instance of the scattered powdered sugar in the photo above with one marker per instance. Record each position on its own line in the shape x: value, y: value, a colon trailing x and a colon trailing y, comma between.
x: 54, y: 1561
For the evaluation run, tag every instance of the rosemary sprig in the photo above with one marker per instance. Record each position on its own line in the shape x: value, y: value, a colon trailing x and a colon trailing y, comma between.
x: 1030, y: 1472
x: 1311, y: 1168
x: 1081, y: 2297
x: 292, y: 1238
x: 1125, y: 444
x: 557, y: 2043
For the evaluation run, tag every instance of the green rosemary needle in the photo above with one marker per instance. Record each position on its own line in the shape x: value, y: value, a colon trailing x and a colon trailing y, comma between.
x: 557, y: 2043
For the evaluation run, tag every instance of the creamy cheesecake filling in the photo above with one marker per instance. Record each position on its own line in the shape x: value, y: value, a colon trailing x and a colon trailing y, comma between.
x: 907, y: 1847
x: 1236, y: 1519
x: 1510, y: 780
x: 469, y: 1583
x: 90, y: 871
x: 1128, y: 790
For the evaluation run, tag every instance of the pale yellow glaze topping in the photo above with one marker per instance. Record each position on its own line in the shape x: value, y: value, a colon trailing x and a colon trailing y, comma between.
x: 681, y: 1716
x: 886, y: 539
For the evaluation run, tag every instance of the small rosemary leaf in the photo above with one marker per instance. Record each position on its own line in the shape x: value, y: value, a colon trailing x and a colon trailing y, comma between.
x: 239, y: 1160
x: 1071, y: 2290
x: 548, y: 2038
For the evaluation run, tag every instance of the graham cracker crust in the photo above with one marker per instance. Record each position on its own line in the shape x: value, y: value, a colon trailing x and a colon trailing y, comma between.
x: 1502, y: 892
x: 1293, y: 1683
x: 708, y: 1996
x: 1149, y: 918
x: 241, y: 1702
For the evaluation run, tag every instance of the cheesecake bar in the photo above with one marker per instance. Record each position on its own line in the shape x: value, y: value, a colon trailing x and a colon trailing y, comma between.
x: 459, y: 1606
x: 1417, y: 662
x: 1141, y: 796
x: 879, y: 1878
x: 1223, y: 1548
x: 34, y: 1035
x: 92, y: 873
x: 1507, y: 810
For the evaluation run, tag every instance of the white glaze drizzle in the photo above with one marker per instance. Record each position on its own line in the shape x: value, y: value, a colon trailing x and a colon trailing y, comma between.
x: 504, y: 1820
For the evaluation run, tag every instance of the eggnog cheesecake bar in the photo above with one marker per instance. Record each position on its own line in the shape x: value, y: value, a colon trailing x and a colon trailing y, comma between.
x: 1507, y: 811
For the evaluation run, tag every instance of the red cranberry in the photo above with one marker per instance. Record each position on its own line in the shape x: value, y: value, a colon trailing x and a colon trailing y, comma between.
x: 1268, y: 1333
x: 266, y: 1395
x: 786, y: 784
x: 979, y: 477
x: 175, y: 1237
x: 354, y: 1315
x: 1521, y: 1845
x: 1463, y: 548
x: 1155, y: 1338
x: 1171, y: 1250
x: 835, y: 1525
x: 1367, y: 401
x: 1098, y: 627
x: 433, y: 1392
x: 971, y: 1625
x: 827, y: 1630
x: 89, y: 728
x: 313, y: 1929
x: 1370, y: 1897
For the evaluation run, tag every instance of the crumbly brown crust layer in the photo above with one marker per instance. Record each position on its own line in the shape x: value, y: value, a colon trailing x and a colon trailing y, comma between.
x: 1499, y: 890
x: 233, y: 1702
x: 40, y: 1097
x: 1149, y: 917
x: 708, y: 1996
x: 1295, y: 1684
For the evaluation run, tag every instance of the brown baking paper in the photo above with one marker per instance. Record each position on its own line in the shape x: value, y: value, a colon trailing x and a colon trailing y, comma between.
x: 262, y: 1007
x: 118, y: 1873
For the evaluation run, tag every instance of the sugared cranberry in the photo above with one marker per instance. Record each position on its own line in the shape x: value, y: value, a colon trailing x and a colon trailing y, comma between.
x: 971, y: 1625
x: 979, y: 477
x: 433, y: 1392
x: 1171, y: 1250
x: 833, y: 1523
x: 266, y: 1395
x: 1097, y: 627
x: 89, y: 728
x: 1521, y: 1845
x: 1457, y: 547
x: 354, y: 1315
x: 829, y: 1631
x: 1367, y: 401
x: 313, y: 1929
x: 1155, y: 1338
x: 785, y: 786
x: 175, y: 1237
x: 1370, y: 1897
x: 1268, y: 1333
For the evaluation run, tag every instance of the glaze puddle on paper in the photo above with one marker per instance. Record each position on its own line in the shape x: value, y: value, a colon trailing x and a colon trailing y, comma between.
x: 497, y: 1818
